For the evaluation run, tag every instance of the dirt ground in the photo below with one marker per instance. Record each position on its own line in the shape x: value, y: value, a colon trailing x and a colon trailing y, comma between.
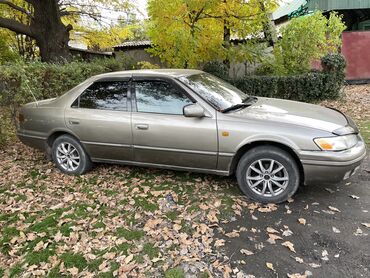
x: 332, y: 243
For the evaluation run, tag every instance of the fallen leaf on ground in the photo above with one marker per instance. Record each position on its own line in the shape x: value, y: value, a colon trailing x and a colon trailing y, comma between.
x: 336, y: 230
x: 299, y: 260
x: 302, y: 221
x: 354, y: 197
x: 289, y: 245
x: 129, y: 258
x: 314, y: 265
x: 287, y: 233
x: 219, y: 242
x: 212, y: 216
x: 246, y: 252
x: 73, y: 270
x: 272, y: 238
x: 270, y: 266
x: 297, y: 275
x: 233, y: 234
x: 367, y: 225
x: 333, y: 209
x: 272, y: 230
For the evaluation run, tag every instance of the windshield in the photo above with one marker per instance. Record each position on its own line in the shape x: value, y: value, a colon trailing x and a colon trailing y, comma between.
x: 217, y: 92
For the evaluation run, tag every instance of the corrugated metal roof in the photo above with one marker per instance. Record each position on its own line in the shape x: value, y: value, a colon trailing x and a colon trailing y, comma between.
x: 133, y: 44
x: 288, y: 8
x: 327, y: 5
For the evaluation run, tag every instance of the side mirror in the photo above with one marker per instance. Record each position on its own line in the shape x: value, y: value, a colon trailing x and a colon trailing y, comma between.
x: 194, y: 110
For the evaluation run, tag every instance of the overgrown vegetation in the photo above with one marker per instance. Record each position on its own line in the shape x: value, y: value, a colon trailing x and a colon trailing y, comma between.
x: 313, y: 86
x: 21, y: 82
x: 304, y: 40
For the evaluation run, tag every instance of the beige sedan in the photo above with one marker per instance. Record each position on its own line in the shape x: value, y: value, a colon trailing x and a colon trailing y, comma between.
x: 190, y: 120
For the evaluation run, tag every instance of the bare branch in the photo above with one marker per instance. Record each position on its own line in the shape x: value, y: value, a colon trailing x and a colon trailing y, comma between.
x: 15, y: 7
x: 16, y: 26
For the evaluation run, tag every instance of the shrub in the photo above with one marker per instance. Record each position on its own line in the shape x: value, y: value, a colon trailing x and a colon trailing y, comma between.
x: 308, y: 87
x: 21, y: 82
x: 218, y: 69
x: 305, y: 39
x: 147, y: 65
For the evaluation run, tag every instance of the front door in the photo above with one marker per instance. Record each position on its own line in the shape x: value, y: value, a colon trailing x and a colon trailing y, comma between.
x: 162, y: 135
x: 101, y: 118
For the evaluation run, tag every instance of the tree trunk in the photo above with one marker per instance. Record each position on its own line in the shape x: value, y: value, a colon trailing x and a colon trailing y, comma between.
x: 45, y: 27
x: 227, y: 36
x: 50, y: 33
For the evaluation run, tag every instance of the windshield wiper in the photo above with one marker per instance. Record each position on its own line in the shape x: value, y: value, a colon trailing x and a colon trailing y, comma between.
x: 249, y: 99
x: 246, y: 102
x: 236, y: 106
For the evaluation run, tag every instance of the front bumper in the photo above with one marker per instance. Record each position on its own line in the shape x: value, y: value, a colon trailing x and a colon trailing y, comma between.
x: 331, y: 167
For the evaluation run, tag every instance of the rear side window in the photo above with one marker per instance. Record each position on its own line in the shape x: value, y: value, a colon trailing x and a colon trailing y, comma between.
x: 157, y: 96
x: 107, y: 95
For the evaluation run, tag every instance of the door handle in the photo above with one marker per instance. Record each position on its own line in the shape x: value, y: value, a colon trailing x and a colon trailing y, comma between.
x: 74, y: 121
x: 142, y: 126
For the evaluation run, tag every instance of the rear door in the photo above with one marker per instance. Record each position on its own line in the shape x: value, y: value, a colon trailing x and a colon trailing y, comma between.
x: 162, y: 134
x: 101, y: 118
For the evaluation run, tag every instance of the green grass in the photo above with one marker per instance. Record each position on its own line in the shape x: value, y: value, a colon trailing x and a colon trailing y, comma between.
x: 39, y: 256
x: 145, y: 204
x: 49, y: 222
x: 15, y: 271
x: 7, y: 234
x: 365, y: 131
x: 151, y: 250
x: 174, y: 273
x: 122, y: 248
x: 74, y: 260
x: 130, y: 234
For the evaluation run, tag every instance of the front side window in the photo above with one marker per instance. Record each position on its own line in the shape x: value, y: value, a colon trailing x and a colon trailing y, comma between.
x: 107, y: 95
x: 157, y: 96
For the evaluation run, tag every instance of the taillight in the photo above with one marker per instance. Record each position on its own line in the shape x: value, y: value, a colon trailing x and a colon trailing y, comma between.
x: 20, y: 117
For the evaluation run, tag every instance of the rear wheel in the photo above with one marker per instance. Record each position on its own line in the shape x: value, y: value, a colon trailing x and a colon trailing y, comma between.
x: 268, y: 174
x: 69, y: 156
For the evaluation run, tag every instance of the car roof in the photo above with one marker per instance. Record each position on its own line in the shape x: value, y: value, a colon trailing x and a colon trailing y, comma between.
x: 150, y: 72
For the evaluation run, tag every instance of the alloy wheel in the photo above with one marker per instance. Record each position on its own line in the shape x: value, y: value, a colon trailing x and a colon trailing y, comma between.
x: 267, y: 177
x: 68, y: 156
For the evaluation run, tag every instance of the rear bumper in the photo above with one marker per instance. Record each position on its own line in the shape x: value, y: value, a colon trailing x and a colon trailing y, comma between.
x: 332, y: 167
x: 32, y: 141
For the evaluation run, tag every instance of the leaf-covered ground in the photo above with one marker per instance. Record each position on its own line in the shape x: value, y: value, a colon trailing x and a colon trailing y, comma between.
x: 129, y: 221
x: 355, y: 103
x: 113, y: 221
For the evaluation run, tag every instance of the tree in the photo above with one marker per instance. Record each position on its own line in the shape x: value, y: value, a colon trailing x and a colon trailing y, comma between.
x: 187, y: 33
x: 306, y: 39
x: 7, y: 54
x: 45, y: 21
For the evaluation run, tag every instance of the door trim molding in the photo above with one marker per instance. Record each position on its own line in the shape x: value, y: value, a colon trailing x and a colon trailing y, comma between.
x: 173, y: 150
x: 106, y: 144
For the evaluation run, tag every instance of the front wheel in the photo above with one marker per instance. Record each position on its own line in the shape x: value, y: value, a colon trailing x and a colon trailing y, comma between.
x: 69, y: 156
x: 268, y: 174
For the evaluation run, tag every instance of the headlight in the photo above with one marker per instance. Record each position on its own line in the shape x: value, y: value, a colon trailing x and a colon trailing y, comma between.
x: 338, y: 143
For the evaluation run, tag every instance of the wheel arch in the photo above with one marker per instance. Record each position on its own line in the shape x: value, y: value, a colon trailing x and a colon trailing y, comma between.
x: 246, y: 147
x: 57, y: 133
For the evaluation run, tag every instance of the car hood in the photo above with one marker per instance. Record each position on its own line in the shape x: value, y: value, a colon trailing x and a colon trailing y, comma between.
x: 293, y: 112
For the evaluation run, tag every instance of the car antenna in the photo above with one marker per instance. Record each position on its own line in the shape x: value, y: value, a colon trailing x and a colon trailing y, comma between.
x: 28, y: 87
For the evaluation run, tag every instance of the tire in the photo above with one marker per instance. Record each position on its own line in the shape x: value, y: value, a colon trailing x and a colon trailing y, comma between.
x: 266, y: 184
x: 69, y: 156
